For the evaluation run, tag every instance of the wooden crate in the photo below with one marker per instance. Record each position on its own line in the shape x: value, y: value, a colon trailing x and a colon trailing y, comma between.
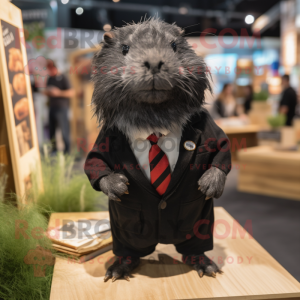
x: 269, y: 172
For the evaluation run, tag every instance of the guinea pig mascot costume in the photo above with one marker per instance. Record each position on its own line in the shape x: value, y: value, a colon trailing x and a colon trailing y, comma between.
x: 160, y: 158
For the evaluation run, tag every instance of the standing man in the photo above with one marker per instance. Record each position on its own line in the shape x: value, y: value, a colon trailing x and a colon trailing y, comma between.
x: 288, y: 102
x: 59, y: 92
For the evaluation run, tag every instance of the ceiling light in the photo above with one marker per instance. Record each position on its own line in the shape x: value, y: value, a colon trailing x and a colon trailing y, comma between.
x: 249, y: 19
x: 107, y: 27
x: 64, y: 1
x: 79, y: 10
x: 116, y: 0
x: 183, y: 10
x: 261, y: 22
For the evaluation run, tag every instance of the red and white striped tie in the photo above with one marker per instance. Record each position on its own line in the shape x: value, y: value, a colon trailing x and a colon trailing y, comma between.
x: 160, y: 172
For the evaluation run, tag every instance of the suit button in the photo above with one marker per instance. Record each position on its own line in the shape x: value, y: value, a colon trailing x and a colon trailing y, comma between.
x: 163, y: 205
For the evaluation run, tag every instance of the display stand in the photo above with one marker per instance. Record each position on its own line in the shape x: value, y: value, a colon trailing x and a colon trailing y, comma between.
x: 270, y: 172
x: 18, y: 134
x: 250, y: 272
x: 5, y: 158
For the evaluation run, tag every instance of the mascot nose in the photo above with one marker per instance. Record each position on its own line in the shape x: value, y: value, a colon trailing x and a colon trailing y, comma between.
x: 153, y: 67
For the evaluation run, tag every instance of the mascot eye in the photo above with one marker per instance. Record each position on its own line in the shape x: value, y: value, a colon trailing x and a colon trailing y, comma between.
x: 125, y: 49
x: 173, y: 45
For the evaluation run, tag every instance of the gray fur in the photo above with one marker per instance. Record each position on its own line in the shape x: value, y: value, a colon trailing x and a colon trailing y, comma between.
x: 127, y: 99
x: 114, y: 185
x: 212, y: 183
x: 150, y: 87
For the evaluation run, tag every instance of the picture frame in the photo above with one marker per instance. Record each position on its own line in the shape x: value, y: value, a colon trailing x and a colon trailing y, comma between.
x: 17, y: 101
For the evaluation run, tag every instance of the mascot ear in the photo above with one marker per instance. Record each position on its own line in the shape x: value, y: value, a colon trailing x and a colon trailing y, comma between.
x: 177, y: 30
x: 108, y: 37
x: 181, y: 31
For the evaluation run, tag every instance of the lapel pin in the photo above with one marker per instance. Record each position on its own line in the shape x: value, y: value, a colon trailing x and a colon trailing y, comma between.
x: 189, y: 145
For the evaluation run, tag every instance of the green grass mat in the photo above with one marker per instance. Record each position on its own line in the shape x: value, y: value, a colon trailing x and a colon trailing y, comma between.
x: 18, y: 279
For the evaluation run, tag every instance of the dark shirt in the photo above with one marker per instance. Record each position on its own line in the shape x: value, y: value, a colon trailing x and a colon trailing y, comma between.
x: 60, y: 81
x: 248, y: 103
x: 289, y: 99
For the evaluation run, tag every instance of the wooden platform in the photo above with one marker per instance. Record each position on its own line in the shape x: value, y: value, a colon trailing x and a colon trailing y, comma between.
x: 249, y: 272
x: 269, y: 172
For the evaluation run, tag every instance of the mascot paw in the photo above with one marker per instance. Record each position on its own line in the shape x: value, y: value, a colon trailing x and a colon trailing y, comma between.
x: 202, y: 264
x: 121, y: 268
x: 212, y: 183
x: 114, y: 186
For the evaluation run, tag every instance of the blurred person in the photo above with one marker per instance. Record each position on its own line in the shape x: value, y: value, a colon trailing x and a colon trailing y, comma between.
x: 59, y: 92
x: 225, y: 106
x: 248, y: 98
x: 288, y: 102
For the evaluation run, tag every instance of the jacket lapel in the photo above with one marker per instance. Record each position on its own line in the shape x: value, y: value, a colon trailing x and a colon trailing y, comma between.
x: 185, y: 156
x: 127, y: 158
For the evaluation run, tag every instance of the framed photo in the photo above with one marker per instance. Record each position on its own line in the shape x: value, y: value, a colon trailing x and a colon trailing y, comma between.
x: 17, y: 99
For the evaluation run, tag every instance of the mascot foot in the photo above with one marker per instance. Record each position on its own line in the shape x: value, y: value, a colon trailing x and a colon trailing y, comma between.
x: 121, y: 268
x: 202, y: 264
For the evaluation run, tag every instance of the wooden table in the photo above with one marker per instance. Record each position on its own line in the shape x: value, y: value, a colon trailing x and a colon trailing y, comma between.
x: 241, y: 136
x: 266, y: 171
x: 249, y: 272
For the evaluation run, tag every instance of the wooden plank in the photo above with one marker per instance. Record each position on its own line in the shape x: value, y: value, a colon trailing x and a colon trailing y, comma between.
x: 244, y: 187
x: 270, y: 169
x: 268, y: 154
x: 269, y: 172
x: 251, y: 128
x: 162, y: 275
x: 263, y: 189
x: 268, y: 182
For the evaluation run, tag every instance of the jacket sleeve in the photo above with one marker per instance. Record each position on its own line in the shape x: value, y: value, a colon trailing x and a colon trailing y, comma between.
x: 98, y: 163
x: 219, y: 145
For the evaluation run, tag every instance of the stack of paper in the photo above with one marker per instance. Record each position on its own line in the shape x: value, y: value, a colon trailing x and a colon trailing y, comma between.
x: 82, y: 240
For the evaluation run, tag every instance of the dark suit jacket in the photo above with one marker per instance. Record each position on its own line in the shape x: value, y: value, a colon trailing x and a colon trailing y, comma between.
x: 139, y: 221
